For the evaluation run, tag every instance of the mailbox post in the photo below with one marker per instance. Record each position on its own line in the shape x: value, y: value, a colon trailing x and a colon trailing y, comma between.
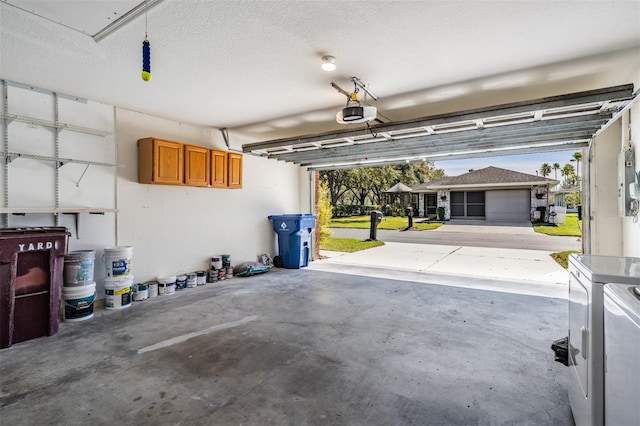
x: 376, y: 217
x: 409, y: 212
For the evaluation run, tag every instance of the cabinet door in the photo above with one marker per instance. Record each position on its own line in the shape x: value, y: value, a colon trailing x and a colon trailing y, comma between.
x: 218, y: 169
x: 235, y: 170
x: 168, y: 162
x: 196, y: 165
x: 160, y: 161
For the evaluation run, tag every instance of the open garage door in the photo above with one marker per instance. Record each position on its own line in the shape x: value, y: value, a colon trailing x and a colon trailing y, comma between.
x: 509, y: 205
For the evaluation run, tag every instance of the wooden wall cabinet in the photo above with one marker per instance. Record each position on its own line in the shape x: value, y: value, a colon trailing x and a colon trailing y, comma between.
x: 226, y: 169
x: 219, y: 176
x: 174, y: 163
x: 235, y: 170
x: 196, y: 165
x: 160, y: 162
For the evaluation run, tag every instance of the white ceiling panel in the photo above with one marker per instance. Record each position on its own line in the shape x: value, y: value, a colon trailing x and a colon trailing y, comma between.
x: 86, y: 16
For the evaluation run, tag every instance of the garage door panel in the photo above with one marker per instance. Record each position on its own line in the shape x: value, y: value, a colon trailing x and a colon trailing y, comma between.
x: 508, y: 205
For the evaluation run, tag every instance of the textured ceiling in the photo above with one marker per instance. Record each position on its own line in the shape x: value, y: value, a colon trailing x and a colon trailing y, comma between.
x: 254, y: 66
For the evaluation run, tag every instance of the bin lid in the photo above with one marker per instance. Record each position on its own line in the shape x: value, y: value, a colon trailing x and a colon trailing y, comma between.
x: 292, y: 216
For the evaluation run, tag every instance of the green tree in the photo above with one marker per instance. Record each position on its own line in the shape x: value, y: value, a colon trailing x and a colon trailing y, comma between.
x: 556, y: 167
x: 364, y: 184
x: 566, y: 172
x: 336, y: 181
x: 545, y: 169
x: 573, y: 199
x: 577, y: 157
x: 325, y: 211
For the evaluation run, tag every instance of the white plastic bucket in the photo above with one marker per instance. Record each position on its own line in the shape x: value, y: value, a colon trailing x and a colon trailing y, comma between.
x: 78, y: 268
x: 118, y: 261
x: 167, y: 284
x: 118, y: 293
x: 78, y: 302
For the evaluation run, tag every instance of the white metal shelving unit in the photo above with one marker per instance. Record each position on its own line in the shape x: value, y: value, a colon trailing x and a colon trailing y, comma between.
x: 57, y: 126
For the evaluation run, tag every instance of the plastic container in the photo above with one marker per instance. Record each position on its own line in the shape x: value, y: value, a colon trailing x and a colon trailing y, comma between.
x: 118, y: 292
x: 140, y: 292
x: 294, y: 238
x: 79, y: 267
x: 167, y: 284
x: 117, y: 261
x: 78, y: 302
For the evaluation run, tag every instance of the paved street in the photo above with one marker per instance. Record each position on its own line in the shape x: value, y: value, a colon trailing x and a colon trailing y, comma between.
x: 473, y: 234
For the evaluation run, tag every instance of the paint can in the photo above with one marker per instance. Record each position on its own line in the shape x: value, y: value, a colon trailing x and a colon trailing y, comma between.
x: 226, y: 260
x: 118, y: 292
x: 140, y: 292
x: 216, y: 263
x: 212, y: 276
x: 153, y: 288
x: 181, y: 282
x: 221, y: 274
x: 118, y: 261
x: 201, y: 277
x: 167, y: 284
x: 78, y: 302
x: 78, y: 268
x: 191, y: 280
x: 230, y: 271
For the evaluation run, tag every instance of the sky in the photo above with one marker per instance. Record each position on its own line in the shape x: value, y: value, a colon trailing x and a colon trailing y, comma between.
x: 529, y: 163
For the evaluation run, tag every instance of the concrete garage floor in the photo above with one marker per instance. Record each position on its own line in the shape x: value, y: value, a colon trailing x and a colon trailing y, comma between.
x: 296, y: 347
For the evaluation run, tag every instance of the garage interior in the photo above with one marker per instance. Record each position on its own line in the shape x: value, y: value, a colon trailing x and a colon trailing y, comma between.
x: 316, y: 345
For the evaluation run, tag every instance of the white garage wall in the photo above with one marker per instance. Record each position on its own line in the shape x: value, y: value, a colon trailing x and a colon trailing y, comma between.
x: 177, y: 229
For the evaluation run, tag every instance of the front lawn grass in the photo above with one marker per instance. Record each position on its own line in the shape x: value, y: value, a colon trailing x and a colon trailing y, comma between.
x: 388, y: 222
x: 348, y: 245
x: 572, y: 227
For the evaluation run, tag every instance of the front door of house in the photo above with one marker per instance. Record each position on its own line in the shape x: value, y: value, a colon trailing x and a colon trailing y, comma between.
x: 431, y: 204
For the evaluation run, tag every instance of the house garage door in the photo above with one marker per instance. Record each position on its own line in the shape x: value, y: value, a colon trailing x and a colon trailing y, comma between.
x: 508, y: 205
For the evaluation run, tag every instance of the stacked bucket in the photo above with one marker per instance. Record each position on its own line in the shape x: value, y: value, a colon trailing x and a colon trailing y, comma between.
x: 79, y: 288
x: 119, y: 279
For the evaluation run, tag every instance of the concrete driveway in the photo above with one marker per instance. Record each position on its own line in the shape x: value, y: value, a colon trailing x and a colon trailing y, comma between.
x: 509, y: 253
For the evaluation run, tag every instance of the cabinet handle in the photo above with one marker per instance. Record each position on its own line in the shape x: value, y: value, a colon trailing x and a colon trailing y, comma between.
x: 585, y: 340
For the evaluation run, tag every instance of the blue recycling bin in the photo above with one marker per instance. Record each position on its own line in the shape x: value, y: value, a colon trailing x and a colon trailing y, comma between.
x: 294, y: 238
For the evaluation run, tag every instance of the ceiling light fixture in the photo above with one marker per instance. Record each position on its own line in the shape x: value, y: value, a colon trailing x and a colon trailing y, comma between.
x: 328, y: 63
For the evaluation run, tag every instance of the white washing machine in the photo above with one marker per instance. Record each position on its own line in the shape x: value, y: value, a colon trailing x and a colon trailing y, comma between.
x: 587, y: 278
x: 622, y: 354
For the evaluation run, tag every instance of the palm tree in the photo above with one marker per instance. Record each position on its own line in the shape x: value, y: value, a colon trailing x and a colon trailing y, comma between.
x: 556, y: 167
x: 577, y: 156
x: 545, y: 169
x: 567, y: 171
